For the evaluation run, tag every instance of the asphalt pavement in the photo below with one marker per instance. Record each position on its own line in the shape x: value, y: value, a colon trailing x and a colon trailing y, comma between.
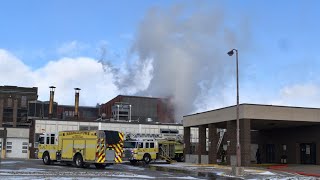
x: 35, y: 169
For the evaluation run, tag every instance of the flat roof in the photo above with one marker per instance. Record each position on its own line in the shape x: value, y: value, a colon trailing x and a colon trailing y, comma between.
x: 254, y: 111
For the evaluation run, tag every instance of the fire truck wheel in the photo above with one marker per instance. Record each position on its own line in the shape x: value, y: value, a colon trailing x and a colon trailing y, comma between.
x: 181, y: 158
x: 100, y: 166
x: 133, y: 162
x: 147, y: 158
x: 86, y: 165
x: 78, y: 161
x: 46, y: 158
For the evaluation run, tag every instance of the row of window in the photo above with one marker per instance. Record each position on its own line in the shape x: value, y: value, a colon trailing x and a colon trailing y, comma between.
x: 50, y: 139
x: 9, y: 147
x: 69, y: 113
x: 83, y: 113
x: 23, y: 102
x: 147, y: 144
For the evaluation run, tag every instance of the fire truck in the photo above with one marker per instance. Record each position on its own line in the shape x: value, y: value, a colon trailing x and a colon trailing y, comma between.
x: 148, y: 147
x: 82, y: 148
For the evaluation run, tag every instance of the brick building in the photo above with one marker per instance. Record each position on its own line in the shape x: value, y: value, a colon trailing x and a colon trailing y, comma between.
x: 14, y: 122
x: 142, y: 109
x: 14, y: 105
x: 282, y: 134
x: 86, y: 113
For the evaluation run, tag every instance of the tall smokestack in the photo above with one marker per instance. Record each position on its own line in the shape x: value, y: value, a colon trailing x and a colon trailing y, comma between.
x: 76, y: 103
x: 52, y: 88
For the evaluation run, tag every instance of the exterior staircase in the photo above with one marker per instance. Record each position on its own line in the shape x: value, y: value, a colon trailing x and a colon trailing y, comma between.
x: 164, y: 155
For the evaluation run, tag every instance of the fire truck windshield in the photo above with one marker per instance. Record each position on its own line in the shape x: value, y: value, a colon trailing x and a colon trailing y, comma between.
x: 129, y: 144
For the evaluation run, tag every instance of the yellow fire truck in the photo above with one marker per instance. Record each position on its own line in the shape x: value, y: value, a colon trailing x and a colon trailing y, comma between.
x: 82, y: 148
x: 147, y: 147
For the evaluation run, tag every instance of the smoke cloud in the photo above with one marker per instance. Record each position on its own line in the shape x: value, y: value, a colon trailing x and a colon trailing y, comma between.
x: 181, y: 54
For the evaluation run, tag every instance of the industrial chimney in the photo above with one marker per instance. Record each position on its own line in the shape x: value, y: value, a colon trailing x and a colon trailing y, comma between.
x: 76, y: 103
x: 52, y: 88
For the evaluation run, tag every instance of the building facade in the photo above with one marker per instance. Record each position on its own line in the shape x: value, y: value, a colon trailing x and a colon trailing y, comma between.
x: 14, y: 105
x: 141, y: 109
x: 14, y: 142
x: 86, y: 113
x: 282, y: 135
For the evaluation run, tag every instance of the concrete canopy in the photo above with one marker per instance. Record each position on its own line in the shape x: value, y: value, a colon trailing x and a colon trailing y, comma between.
x: 269, y: 116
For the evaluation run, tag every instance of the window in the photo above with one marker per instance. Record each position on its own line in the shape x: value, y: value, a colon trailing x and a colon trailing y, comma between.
x: 48, y: 140
x: 24, y: 101
x: 9, y: 102
x: 128, y: 144
x: 24, y: 147
x: 52, y: 138
x: 152, y: 145
x: 41, y: 140
x: 147, y: 145
x: 284, y: 147
x: 140, y: 145
x: 9, y: 147
x: 38, y: 140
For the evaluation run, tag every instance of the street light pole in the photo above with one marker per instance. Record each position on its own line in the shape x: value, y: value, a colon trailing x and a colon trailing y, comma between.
x: 230, y: 53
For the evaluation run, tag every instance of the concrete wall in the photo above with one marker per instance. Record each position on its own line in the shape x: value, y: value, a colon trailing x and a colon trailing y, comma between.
x: 191, y: 158
x: 204, y: 159
x: 17, y: 132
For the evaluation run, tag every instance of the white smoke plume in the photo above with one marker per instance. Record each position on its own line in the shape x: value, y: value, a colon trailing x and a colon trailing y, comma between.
x: 182, y: 54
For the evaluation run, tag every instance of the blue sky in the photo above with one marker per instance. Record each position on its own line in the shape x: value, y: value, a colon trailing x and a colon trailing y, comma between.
x: 282, y: 56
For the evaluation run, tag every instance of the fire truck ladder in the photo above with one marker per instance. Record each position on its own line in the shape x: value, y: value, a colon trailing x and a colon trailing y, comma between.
x: 144, y: 136
x: 221, y: 131
x: 165, y: 154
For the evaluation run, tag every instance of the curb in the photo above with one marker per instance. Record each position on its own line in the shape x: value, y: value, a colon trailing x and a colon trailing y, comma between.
x: 281, y: 168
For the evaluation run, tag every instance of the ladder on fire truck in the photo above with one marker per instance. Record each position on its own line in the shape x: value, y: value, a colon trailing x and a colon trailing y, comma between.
x: 164, y: 154
x: 164, y: 136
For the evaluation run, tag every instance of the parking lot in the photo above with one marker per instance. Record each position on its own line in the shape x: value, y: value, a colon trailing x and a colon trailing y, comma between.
x: 35, y: 169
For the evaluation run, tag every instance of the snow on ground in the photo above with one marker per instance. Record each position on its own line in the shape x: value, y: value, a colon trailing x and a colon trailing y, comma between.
x: 28, y: 170
x: 133, y: 167
x: 260, y: 172
x: 132, y: 176
x: 10, y: 162
x: 226, y: 171
x: 57, y: 178
x: 267, y: 173
x: 185, y: 177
